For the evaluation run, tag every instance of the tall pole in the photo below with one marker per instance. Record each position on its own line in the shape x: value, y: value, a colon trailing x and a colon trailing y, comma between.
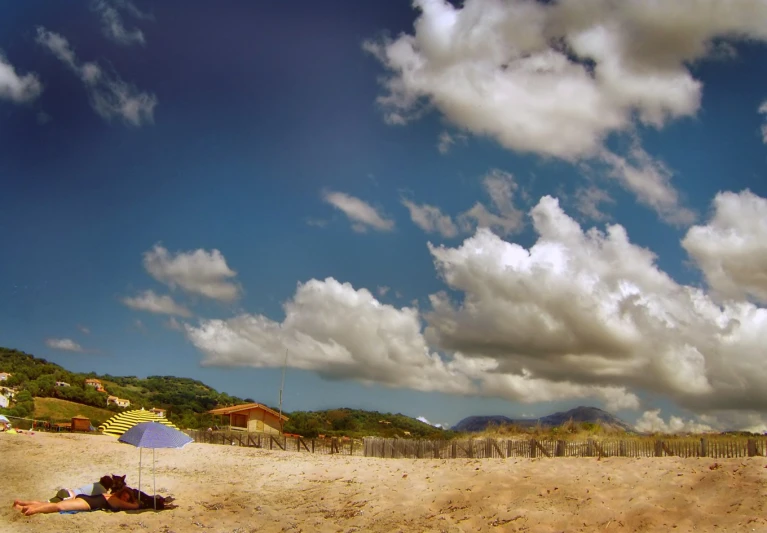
x: 282, y: 386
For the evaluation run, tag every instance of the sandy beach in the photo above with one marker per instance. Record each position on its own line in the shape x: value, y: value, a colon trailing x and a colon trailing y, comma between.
x: 237, y: 490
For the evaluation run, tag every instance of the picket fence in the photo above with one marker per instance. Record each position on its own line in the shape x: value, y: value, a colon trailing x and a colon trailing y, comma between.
x: 482, y: 448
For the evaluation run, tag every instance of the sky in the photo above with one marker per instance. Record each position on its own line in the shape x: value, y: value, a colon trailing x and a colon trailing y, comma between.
x: 443, y: 210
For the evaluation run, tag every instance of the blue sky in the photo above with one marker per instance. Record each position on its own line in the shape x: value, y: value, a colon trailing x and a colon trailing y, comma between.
x: 218, y: 156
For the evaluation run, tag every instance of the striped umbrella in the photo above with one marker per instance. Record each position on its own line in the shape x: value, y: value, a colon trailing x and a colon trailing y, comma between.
x: 119, y: 424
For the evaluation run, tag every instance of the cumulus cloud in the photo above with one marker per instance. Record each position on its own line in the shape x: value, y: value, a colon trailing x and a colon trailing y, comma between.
x: 580, y: 314
x: 197, y: 272
x: 337, y: 331
x: 112, y: 24
x: 763, y: 110
x: 731, y: 249
x: 431, y: 219
x: 502, y: 217
x: 67, y: 345
x: 361, y: 214
x: 587, y: 307
x: 17, y: 88
x: 174, y: 324
x: 652, y: 422
x: 155, y: 303
x: 556, y: 78
x: 383, y: 290
x: 110, y: 96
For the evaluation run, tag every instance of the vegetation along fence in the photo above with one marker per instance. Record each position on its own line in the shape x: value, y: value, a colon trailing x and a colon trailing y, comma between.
x: 714, y: 447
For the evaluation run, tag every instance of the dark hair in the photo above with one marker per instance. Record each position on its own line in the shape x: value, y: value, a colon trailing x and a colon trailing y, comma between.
x: 106, y: 482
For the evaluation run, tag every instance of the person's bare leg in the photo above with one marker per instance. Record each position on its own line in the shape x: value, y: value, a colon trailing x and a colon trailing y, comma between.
x: 76, y: 504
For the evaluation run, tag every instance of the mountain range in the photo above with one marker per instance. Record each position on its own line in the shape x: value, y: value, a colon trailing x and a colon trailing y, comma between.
x: 578, y: 414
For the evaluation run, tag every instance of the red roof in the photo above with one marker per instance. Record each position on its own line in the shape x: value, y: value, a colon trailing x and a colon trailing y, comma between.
x: 245, y: 407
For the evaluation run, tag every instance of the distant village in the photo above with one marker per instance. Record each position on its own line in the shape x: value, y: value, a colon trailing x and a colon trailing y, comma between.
x: 7, y: 393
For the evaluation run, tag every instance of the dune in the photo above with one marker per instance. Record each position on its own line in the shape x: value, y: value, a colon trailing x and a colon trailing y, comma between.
x: 237, y: 490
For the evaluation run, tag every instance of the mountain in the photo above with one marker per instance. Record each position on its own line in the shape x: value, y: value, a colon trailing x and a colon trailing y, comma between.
x: 473, y: 424
x: 578, y: 414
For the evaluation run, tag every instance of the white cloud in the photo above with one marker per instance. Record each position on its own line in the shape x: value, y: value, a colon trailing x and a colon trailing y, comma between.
x: 423, y: 419
x: 67, y: 345
x: 17, y: 88
x: 502, y: 217
x: 447, y: 140
x: 109, y: 95
x: 154, y: 303
x: 652, y: 422
x: 84, y: 329
x: 763, y: 110
x: 430, y: 219
x: 650, y: 180
x: 589, y: 308
x: 557, y: 78
x: 580, y: 314
x: 731, y: 249
x: 383, y: 290
x: 588, y: 201
x: 112, y: 24
x: 361, y: 214
x: 197, y: 272
x: 174, y: 324
x: 334, y: 330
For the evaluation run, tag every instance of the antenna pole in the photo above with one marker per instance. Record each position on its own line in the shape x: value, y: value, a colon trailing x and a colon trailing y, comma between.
x: 282, y: 385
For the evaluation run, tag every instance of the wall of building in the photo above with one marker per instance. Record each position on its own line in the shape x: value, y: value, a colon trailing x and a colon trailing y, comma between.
x: 260, y: 421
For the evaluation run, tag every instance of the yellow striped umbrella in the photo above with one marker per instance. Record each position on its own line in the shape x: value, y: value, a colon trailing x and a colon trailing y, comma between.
x: 119, y: 424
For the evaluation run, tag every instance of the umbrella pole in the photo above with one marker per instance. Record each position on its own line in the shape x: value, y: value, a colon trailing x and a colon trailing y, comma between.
x: 138, y: 492
x: 154, y: 482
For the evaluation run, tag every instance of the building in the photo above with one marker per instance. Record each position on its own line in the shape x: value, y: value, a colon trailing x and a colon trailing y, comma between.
x: 95, y: 383
x: 253, y: 417
x: 119, y: 402
x: 158, y: 411
x: 62, y: 384
x: 4, y: 376
x: 3, y: 402
x: 81, y: 423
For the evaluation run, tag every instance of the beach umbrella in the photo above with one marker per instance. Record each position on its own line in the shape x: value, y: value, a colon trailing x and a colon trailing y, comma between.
x: 153, y: 435
x: 120, y: 423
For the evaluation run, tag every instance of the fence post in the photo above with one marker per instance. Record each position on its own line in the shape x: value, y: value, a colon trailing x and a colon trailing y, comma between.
x: 751, y: 447
x: 560, y: 448
x: 658, y: 448
x: 454, y: 450
x: 703, y: 447
x: 532, y: 449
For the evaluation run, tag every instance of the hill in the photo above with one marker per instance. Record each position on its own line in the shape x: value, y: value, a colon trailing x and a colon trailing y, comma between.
x: 591, y: 415
x: 185, y: 400
x: 55, y: 409
x: 359, y: 423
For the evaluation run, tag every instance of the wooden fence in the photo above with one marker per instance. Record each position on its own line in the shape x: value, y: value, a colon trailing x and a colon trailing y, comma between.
x: 531, y: 448
x: 279, y: 442
x: 719, y: 447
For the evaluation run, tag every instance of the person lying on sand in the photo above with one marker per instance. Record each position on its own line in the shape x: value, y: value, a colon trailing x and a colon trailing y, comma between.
x: 102, y: 486
x: 122, y: 500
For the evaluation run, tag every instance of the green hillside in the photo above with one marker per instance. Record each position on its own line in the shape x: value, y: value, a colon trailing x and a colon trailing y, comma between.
x: 359, y: 423
x: 185, y: 400
x: 56, y: 410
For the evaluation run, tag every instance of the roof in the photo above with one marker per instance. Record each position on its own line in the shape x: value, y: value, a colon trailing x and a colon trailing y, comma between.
x: 81, y: 417
x: 245, y: 407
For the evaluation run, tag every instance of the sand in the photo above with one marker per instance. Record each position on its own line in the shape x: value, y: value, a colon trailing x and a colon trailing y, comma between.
x: 232, y: 489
